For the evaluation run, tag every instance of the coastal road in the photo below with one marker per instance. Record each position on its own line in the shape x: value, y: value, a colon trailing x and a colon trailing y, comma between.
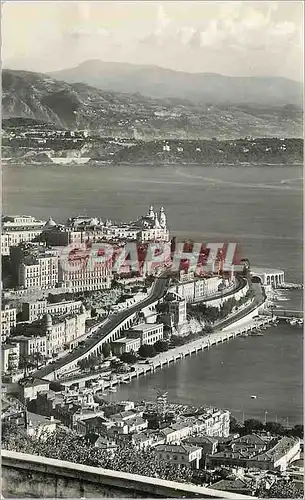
x: 159, y: 289
x: 258, y: 300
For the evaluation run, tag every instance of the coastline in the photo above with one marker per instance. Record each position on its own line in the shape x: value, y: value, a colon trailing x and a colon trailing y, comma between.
x: 178, y: 353
x: 151, y: 164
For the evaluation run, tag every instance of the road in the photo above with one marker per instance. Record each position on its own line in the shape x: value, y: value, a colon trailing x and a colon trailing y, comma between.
x: 159, y: 289
x: 258, y: 300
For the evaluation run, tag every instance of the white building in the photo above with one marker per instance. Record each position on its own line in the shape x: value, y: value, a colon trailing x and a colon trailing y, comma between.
x: 149, y: 333
x: 8, y: 321
x: 35, y: 266
x: 18, y: 229
x: 125, y: 345
x: 217, y: 422
x: 10, y: 355
x: 153, y: 227
x: 177, y: 311
x: 51, y: 335
x: 31, y: 311
x: 86, y: 278
x: 197, y: 288
x: 31, y: 345
x: 181, y: 454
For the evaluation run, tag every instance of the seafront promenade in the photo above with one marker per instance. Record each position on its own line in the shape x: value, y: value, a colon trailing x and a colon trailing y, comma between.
x: 237, y: 323
x: 206, y: 342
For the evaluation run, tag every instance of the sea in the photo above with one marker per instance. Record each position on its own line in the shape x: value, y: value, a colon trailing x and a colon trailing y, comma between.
x: 258, y: 207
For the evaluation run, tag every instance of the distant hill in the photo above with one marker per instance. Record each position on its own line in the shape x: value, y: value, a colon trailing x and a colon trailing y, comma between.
x: 208, y: 88
x: 79, y: 106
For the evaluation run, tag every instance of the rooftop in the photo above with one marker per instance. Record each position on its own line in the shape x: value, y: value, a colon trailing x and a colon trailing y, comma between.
x: 145, y: 327
x: 264, y: 270
x: 177, y: 448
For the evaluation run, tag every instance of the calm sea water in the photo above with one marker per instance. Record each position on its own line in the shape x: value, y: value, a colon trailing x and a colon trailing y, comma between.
x: 258, y: 207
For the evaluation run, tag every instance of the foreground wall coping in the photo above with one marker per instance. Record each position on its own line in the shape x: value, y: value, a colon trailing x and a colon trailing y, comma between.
x: 112, y: 478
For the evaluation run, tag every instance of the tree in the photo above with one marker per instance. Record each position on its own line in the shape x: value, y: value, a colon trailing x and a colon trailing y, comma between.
x: 252, y: 425
x: 177, y: 341
x: 64, y: 444
x: 106, y: 350
x: 298, y: 431
x: 281, y: 489
x: 83, y: 364
x: 161, y: 346
x: 128, y: 357
x: 37, y: 358
x: 93, y: 361
x: 274, y: 428
x: 235, y: 426
x: 147, y: 351
x: 162, y: 307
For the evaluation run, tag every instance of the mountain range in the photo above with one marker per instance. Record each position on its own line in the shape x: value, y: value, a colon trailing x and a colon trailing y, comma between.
x: 117, y: 114
x: 209, y: 88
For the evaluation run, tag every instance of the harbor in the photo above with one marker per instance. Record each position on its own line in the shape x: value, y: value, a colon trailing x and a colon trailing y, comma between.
x: 160, y: 361
x: 212, y: 377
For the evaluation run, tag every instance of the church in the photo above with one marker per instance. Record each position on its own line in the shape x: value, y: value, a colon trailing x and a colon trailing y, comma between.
x: 153, y: 226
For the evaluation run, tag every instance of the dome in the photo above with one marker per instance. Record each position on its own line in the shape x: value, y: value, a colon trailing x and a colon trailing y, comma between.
x: 48, y: 320
x: 51, y: 223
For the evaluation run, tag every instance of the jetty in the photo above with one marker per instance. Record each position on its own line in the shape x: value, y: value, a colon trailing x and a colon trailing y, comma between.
x: 171, y: 356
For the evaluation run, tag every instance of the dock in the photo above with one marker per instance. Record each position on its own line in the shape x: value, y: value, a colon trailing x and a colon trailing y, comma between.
x: 164, y: 359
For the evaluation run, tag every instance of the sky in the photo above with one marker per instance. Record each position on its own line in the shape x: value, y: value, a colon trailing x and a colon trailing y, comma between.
x: 231, y: 38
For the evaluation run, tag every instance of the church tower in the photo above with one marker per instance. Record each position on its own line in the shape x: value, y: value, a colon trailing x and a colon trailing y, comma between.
x: 151, y: 213
x: 157, y: 224
x: 162, y: 218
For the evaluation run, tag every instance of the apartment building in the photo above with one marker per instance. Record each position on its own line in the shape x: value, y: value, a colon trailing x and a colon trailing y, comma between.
x: 149, y: 333
x: 8, y: 321
x: 10, y: 357
x: 125, y: 345
x: 51, y: 335
x: 31, y: 311
x: 18, y: 229
x: 182, y: 454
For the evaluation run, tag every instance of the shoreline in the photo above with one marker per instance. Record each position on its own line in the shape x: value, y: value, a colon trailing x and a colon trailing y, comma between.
x: 152, y: 164
x: 178, y: 353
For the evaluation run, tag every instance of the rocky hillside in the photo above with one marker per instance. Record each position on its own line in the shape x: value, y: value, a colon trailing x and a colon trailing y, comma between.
x: 79, y: 106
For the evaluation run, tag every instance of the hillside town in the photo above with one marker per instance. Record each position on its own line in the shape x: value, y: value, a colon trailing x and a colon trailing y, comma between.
x: 74, y: 330
x: 33, y: 142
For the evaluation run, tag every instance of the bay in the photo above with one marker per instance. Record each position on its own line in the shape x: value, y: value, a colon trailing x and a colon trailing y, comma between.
x: 259, y: 207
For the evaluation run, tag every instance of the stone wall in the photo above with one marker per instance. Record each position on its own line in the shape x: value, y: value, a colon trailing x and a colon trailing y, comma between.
x: 25, y: 476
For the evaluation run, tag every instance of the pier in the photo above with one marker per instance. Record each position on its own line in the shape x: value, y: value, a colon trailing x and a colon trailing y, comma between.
x: 287, y: 313
x: 176, y: 354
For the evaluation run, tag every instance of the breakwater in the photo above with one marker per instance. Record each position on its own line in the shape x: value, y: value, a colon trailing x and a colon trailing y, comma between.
x: 163, y: 360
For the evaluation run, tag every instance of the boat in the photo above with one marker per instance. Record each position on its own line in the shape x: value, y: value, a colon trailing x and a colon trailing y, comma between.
x: 253, y: 396
x: 112, y: 389
x: 125, y: 381
x: 293, y: 321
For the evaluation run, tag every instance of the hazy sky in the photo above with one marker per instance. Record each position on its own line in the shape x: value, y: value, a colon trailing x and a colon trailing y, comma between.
x: 232, y: 38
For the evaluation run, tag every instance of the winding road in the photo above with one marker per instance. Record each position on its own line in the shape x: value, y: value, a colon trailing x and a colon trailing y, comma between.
x: 159, y: 289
